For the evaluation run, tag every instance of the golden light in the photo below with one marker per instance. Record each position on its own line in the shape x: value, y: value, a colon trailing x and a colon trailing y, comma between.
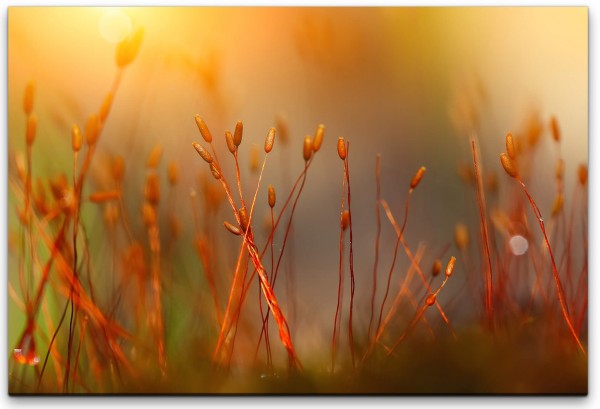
x: 114, y: 25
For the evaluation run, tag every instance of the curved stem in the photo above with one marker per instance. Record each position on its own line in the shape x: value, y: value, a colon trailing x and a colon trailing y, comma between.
x: 377, y: 236
x: 340, y: 293
x: 559, y: 287
x: 489, y: 301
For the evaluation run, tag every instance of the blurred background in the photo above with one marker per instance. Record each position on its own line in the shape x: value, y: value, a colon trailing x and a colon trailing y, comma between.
x: 410, y: 84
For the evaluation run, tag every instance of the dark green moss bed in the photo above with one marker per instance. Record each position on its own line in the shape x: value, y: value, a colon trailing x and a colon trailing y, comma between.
x: 474, y: 363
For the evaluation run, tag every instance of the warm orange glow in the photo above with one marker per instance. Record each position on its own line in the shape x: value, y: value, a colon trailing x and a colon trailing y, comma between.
x: 114, y: 25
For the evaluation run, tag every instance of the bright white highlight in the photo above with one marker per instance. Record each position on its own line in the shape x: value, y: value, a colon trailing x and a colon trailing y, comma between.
x: 114, y: 25
x: 518, y: 245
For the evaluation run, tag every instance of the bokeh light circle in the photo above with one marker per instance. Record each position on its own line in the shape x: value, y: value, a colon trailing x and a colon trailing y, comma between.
x: 518, y: 245
x: 114, y: 25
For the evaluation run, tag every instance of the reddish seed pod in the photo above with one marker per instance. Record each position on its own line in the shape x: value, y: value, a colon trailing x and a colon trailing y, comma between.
x: 238, y: 133
x: 204, y: 154
x: 233, y: 229
x: 105, y: 108
x: 148, y: 215
x: 204, y: 131
x: 345, y: 219
x: 243, y: 218
x: 229, y: 140
x: 92, y: 130
x: 173, y: 173
x: 128, y: 49
x: 417, y: 178
x: 99, y: 197
x: 270, y: 140
x: 118, y: 168
x: 215, y: 172
x: 450, y: 266
x: 582, y: 174
x: 436, y: 268
x: 341, y: 148
x: 461, y: 236
x: 307, y: 148
x: 154, y: 156
x: 534, y: 129
x: 29, y: 98
x: 76, y: 138
x: 318, y: 138
x: 557, y: 205
x: 509, y: 165
x: 510, y: 146
x: 555, y: 129
x: 152, y: 190
x: 271, y: 196
x: 430, y: 300
x: 31, y: 129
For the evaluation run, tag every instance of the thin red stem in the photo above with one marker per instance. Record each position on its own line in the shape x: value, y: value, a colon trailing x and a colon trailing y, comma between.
x: 415, y: 319
x: 377, y: 236
x: 389, y: 280
x: 559, y: 288
x: 390, y: 216
x: 489, y: 301
x: 285, y: 239
x: 340, y: 292
x: 351, y: 259
x: 225, y: 328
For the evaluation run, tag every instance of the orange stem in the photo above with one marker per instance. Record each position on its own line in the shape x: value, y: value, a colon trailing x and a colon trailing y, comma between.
x: 489, y: 302
x: 559, y: 288
x: 378, y: 234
